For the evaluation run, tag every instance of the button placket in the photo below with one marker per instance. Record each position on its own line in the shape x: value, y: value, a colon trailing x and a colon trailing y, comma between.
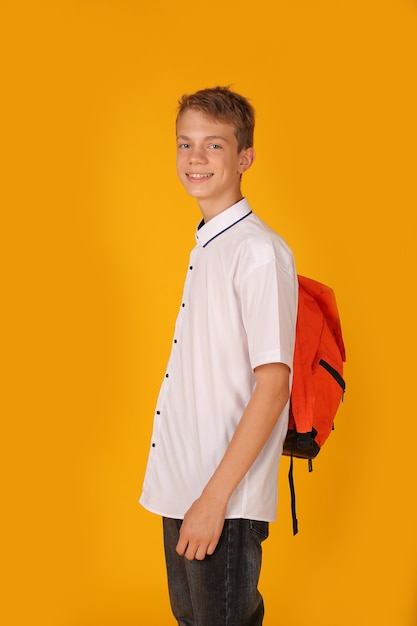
x: 178, y: 329
x: 183, y: 303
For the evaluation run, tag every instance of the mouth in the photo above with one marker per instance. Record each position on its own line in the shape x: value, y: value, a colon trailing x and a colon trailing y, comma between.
x: 197, y: 176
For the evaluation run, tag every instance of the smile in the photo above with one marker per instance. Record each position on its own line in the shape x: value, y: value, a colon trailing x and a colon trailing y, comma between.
x: 199, y: 176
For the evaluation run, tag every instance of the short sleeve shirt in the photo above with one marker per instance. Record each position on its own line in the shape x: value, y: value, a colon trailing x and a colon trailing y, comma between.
x: 238, y: 311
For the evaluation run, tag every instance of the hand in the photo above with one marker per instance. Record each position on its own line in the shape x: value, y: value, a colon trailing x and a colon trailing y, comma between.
x: 201, y: 529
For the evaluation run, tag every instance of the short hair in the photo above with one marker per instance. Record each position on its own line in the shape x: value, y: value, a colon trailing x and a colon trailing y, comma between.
x: 223, y: 105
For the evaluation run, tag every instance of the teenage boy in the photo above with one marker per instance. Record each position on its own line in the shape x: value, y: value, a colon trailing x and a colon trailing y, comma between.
x: 222, y: 412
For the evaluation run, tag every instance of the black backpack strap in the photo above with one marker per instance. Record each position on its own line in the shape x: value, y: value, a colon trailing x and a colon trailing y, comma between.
x: 292, y: 490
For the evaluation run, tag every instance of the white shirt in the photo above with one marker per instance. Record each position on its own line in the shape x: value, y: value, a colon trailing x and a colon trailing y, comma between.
x: 238, y: 311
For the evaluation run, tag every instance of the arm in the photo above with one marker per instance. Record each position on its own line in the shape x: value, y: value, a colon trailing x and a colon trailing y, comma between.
x: 203, y: 522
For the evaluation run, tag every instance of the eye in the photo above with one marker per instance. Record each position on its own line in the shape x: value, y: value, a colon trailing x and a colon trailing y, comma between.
x: 215, y: 146
x: 183, y: 145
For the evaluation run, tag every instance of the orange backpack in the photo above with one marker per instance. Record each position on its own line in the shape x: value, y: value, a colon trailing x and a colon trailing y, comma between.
x: 318, y: 385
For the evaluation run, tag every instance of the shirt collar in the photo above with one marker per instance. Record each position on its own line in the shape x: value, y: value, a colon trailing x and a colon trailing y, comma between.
x: 221, y: 222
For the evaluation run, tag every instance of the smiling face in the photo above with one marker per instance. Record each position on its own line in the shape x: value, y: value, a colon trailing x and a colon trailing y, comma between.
x: 208, y: 162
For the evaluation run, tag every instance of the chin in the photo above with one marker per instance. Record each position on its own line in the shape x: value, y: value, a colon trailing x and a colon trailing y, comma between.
x: 195, y: 193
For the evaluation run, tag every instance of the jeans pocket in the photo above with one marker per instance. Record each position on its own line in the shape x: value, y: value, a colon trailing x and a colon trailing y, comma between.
x: 259, y: 529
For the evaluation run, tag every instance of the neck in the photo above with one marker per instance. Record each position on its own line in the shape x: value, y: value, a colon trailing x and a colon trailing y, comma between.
x: 211, y: 209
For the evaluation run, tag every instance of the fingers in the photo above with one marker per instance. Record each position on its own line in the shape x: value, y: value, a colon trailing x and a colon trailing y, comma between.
x: 192, y: 551
x: 195, y: 550
x: 200, y: 554
x: 181, y: 546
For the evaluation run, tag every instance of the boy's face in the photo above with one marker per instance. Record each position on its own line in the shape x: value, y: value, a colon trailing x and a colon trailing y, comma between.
x: 208, y: 162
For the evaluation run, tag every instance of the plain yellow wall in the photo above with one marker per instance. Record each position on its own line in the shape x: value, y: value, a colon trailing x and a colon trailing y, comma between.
x: 96, y: 234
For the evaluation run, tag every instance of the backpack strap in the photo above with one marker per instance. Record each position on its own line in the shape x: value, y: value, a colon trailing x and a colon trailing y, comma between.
x: 292, y: 490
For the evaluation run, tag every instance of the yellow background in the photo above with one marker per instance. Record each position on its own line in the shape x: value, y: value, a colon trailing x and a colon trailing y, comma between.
x: 96, y: 232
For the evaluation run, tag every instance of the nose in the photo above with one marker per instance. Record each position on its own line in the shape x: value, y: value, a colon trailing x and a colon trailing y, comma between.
x: 197, y: 155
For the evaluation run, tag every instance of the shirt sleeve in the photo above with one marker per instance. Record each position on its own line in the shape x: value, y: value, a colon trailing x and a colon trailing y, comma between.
x: 269, y: 309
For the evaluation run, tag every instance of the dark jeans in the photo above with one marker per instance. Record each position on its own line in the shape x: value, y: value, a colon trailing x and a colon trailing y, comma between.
x: 221, y: 590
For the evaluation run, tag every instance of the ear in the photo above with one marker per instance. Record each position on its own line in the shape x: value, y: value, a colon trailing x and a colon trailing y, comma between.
x: 246, y: 158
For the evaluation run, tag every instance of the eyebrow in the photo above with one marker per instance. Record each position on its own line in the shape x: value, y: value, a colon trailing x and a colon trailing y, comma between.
x: 208, y: 138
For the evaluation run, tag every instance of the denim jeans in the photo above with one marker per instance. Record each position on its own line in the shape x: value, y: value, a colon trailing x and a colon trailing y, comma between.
x: 221, y: 590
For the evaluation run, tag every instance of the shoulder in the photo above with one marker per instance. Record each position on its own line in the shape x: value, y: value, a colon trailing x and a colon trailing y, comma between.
x: 261, y: 244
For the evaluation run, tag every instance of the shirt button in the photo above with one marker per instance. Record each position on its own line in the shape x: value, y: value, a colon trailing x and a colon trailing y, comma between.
x: 191, y: 267
x: 166, y: 375
x: 183, y: 304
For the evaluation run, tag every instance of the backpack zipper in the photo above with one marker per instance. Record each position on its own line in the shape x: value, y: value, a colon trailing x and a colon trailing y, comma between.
x: 338, y: 378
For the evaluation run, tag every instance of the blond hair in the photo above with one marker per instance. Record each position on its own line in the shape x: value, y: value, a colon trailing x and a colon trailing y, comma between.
x: 223, y: 105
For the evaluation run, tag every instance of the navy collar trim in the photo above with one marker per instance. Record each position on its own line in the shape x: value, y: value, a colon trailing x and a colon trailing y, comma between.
x: 227, y: 228
x: 207, y: 232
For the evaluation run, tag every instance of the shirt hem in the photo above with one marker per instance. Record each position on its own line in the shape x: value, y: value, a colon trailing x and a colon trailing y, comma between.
x: 242, y: 515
